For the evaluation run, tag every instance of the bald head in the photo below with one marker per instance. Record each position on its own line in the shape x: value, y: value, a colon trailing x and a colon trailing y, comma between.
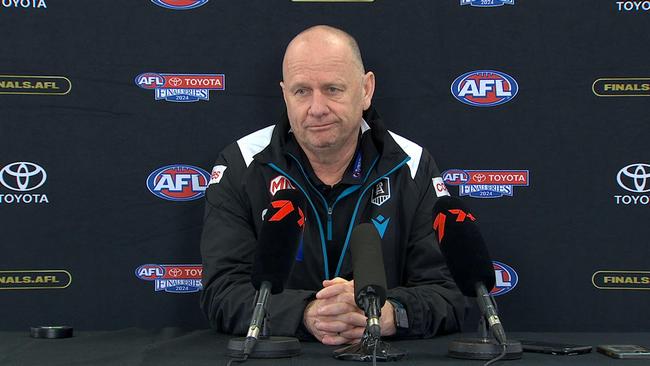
x: 320, y: 38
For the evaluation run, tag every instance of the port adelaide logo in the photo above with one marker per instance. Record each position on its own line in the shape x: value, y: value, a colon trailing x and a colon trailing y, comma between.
x: 178, y: 182
x: 487, y: 3
x: 180, y: 4
x: 181, y: 87
x: 506, y: 278
x: 484, y: 88
x: 486, y: 183
x: 172, y: 278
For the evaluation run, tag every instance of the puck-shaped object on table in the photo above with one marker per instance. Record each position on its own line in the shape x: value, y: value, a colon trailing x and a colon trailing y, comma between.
x: 51, y: 332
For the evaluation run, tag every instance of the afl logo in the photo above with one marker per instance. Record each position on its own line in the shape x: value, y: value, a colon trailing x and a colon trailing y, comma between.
x: 484, y: 88
x: 150, y: 80
x: 180, y: 4
x: 506, y: 278
x: 178, y: 182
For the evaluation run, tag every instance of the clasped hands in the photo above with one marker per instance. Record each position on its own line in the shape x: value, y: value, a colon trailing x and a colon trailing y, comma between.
x: 334, y: 318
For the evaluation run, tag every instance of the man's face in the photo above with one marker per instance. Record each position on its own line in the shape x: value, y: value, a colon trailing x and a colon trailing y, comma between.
x: 326, y: 93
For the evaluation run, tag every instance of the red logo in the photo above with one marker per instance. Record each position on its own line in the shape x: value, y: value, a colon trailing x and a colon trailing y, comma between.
x: 441, y: 219
x: 279, y: 183
x: 285, y: 208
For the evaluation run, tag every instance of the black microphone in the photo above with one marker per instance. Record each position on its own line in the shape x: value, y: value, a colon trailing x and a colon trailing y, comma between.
x: 276, y: 251
x: 467, y: 257
x: 369, y: 274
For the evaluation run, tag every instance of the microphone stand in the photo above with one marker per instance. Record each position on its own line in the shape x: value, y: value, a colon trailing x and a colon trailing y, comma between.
x: 266, y: 346
x: 484, y: 346
x: 370, y: 347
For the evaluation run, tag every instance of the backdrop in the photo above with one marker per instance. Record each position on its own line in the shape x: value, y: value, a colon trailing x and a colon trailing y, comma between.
x: 112, y: 113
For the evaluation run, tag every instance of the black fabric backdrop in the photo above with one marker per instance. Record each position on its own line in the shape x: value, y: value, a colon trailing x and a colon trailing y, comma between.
x: 99, y: 143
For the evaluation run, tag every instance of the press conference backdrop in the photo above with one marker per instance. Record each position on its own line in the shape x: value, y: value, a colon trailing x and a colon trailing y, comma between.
x: 113, y: 112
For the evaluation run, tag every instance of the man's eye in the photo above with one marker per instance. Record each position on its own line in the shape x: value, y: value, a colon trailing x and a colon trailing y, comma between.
x: 300, y: 92
x: 333, y: 90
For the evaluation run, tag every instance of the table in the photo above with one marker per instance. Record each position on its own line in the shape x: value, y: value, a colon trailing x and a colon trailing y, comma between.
x: 174, y: 346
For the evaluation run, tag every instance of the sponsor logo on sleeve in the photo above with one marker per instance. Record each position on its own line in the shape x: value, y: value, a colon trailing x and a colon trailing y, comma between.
x: 184, y: 88
x: 486, y: 183
x: 180, y: 4
x: 172, y: 278
x: 217, y: 174
x: 178, y: 182
x: 487, y: 3
x: 440, y: 187
x: 506, y: 278
x: 484, y: 88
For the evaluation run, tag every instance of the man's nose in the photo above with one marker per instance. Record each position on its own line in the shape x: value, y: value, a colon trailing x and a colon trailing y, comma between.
x: 318, y: 107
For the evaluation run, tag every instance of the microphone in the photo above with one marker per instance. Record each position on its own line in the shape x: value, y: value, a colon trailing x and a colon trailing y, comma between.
x: 467, y: 257
x: 276, y: 251
x: 369, y: 274
x: 369, y: 295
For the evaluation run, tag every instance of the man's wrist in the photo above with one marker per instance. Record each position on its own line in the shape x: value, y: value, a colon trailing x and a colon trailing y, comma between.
x: 399, y: 314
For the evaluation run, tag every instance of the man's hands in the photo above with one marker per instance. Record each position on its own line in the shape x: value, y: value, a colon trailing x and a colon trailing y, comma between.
x: 334, y: 318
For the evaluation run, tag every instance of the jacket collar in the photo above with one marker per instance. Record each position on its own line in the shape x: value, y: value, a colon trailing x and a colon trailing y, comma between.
x: 391, y: 153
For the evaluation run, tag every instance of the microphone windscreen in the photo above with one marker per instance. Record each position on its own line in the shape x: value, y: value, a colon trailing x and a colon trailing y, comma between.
x: 462, y: 245
x: 279, y: 240
x: 367, y: 263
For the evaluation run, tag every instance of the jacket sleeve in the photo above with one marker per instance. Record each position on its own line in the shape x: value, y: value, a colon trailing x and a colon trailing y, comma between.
x: 433, y: 302
x: 228, y: 244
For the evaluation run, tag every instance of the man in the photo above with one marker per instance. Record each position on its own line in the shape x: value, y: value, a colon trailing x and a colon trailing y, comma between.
x: 333, y: 147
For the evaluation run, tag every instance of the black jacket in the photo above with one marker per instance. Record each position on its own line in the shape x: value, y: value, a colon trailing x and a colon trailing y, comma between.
x: 393, y: 190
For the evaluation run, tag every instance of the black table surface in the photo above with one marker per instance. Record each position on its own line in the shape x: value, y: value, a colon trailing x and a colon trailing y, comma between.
x: 173, y: 346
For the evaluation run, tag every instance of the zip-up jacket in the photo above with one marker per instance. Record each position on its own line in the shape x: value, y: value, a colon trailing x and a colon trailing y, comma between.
x: 393, y: 187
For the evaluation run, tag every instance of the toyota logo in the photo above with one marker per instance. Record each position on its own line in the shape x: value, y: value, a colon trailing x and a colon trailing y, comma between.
x: 635, y: 178
x: 175, y: 272
x: 22, y: 176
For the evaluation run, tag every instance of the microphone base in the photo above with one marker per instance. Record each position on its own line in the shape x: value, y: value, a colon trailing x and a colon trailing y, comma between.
x: 267, y: 347
x: 363, y: 351
x: 483, y: 349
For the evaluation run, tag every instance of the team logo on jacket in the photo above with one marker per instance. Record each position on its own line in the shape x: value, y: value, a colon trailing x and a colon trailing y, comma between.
x: 178, y: 182
x: 485, y: 183
x: 279, y: 183
x: 180, y: 4
x: 487, y: 3
x: 381, y: 192
x: 506, y: 278
x: 484, y: 88
x: 181, y: 87
x: 173, y: 278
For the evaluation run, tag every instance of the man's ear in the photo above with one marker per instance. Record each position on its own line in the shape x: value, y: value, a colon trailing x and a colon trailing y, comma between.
x: 284, y: 95
x: 368, y: 89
